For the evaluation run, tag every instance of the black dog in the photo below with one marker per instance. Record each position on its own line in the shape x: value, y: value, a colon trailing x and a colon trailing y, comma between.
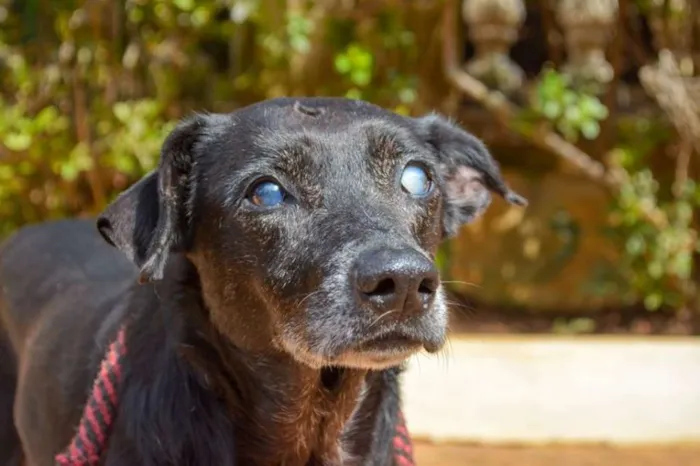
x: 286, y: 257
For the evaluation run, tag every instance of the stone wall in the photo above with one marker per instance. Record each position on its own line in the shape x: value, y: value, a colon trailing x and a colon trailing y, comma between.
x: 544, y: 257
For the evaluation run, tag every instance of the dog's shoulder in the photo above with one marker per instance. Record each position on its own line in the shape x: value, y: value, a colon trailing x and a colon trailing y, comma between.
x: 167, y: 413
x: 168, y: 417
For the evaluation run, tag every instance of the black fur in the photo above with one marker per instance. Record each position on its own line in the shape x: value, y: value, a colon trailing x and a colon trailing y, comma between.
x: 250, y: 341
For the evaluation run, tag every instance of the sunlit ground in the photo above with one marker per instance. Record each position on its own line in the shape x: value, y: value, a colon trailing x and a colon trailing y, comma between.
x: 476, y: 455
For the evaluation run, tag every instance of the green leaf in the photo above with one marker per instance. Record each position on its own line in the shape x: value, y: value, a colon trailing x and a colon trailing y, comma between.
x: 124, y: 163
x: 200, y: 17
x: 122, y: 111
x: 354, y: 93
x: 594, y: 108
x: 573, y: 114
x: 551, y: 85
x: 551, y: 109
x: 185, y: 5
x: 569, y: 98
x: 653, y: 301
x: 635, y: 245
x: 684, y: 211
x: 6, y: 172
x: 407, y: 95
x: 136, y: 15
x: 362, y: 58
x: 17, y: 141
x: 46, y: 116
x: 361, y: 77
x: 300, y: 44
x: 68, y: 171
x: 590, y: 129
x: 682, y: 266
x: 655, y: 269
x: 342, y: 64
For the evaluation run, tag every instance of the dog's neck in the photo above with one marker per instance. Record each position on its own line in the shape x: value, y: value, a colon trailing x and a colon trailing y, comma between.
x: 279, y: 406
x: 297, y: 411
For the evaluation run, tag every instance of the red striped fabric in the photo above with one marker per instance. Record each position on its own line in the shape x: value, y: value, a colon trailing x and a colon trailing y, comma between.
x: 87, y: 445
x: 403, y: 447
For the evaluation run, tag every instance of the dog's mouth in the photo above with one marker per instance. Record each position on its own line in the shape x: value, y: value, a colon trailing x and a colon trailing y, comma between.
x: 394, y: 342
x: 357, y: 342
x: 389, y: 349
x: 378, y: 351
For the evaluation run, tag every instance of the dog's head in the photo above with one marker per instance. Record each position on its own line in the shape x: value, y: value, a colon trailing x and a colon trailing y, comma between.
x: 313, y: 224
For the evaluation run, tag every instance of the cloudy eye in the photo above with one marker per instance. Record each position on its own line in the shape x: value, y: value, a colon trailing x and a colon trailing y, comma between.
x: 416, y: 181
x: 267, y: 194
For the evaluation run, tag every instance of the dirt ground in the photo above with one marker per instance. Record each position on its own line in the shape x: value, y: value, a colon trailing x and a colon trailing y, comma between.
x: 477, y: 455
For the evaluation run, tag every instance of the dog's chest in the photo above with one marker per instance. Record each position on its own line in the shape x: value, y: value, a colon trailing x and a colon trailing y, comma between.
x: 304, y: 430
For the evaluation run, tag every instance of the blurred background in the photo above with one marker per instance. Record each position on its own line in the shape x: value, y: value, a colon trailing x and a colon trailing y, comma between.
x: 592, y: 107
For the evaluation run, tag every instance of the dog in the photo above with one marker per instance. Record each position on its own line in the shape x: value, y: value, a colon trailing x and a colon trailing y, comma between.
x: 273, y: 274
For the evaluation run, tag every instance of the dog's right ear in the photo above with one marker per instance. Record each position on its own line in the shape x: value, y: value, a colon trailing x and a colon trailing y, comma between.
x: 152, y: 218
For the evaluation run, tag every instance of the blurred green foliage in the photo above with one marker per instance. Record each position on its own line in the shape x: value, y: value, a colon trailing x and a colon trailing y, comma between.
x: 572, y: 111
x: 658, y: 262
x: 89, y: 89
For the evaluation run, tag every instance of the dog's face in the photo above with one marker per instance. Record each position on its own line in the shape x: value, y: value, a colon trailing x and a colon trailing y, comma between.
x: 313, y: 224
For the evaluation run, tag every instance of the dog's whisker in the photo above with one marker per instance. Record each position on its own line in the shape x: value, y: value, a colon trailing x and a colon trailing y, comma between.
x: 382, y: 316
x: 465, y: 312
x: 469, y: 313
x: 457, y: 302
x: 444, y: 354
x: 460, y: 305
x: 459, y: 282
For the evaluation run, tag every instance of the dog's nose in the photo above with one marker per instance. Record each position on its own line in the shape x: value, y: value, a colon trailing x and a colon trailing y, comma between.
x: 396, y: 279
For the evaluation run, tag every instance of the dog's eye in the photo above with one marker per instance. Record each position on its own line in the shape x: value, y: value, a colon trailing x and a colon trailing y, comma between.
x: 416, y: 181
x: 267, y: 194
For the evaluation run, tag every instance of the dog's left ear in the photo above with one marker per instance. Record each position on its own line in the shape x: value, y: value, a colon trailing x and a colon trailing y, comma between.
x: 468, y: 171
x: 153, y: 218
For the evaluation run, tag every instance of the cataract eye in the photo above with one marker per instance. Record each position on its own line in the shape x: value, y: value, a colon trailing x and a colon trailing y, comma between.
x: 416, y: 181
x: 267, y: 194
